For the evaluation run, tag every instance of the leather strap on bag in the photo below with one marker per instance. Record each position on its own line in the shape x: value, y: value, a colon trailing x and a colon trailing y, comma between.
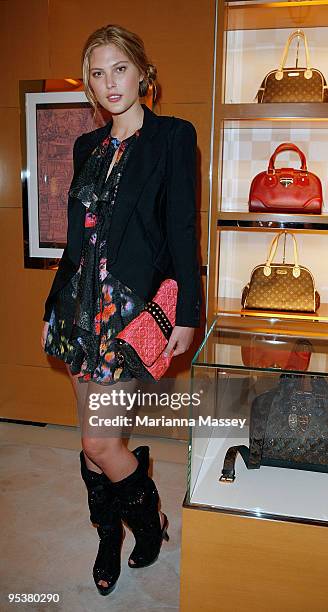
x: 286, y: 146
x: 228, y: 470
x: 252, y: 456
x: 272, y: 253
x: 308, y: 72
x: 160, y: 317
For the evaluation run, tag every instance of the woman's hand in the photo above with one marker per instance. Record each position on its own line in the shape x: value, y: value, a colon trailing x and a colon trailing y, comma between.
x: 180, y: 340
x: 44, y: 333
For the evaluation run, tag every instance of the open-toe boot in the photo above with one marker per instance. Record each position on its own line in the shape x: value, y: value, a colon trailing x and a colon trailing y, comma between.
x: 104, y: 509
x: 139, y: 500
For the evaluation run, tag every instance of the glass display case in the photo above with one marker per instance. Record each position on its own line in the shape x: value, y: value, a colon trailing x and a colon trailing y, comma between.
x: 234, y: 367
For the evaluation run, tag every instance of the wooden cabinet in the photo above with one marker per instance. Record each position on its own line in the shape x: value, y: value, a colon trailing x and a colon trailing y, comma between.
x: 261, y: 545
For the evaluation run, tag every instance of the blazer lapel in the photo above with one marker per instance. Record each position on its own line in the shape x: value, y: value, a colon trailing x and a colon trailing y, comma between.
x: 139, y: 167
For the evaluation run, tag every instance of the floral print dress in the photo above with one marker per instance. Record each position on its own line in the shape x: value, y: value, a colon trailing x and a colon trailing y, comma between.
x: 94, y: 306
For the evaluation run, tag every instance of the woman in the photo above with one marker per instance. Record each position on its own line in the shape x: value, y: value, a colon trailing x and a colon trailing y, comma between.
x: 131, y: 224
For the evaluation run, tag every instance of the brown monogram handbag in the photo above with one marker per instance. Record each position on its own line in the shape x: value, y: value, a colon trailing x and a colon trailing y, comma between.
x: 288, y: 428
x: 284, y: 286
x: 294, y: 84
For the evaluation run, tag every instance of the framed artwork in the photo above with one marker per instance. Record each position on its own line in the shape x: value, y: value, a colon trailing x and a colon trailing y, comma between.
x: 53, y: 121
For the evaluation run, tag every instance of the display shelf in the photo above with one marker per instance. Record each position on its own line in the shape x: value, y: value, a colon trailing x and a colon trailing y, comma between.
x: 266, y: 15
x: 263, y: 52
x: 218, y: 350
x: 273, y: 493
x: 315, y: 113
x: 233, y: 306
x: 229, y: 189
x: 271, y: 221
x: 273, y: 325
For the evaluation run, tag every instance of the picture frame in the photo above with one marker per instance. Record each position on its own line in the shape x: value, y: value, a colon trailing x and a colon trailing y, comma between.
x: 51, y: 123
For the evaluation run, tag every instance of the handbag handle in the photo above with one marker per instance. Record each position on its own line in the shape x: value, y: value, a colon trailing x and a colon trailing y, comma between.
x: 286, y: 146
x: 308, y: 72
x: 272, y: 253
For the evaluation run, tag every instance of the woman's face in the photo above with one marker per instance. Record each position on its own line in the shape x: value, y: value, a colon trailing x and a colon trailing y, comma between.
x: 114, y: 78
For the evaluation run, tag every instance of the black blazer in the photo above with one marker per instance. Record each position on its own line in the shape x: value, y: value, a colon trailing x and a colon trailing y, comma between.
x: 152, y: 234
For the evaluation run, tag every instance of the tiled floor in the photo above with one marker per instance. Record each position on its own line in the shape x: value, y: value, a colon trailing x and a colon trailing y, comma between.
x: 48, y: 543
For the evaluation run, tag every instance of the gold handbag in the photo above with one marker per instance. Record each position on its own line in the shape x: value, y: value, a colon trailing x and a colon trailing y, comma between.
x: 294, y: 84
x: 282, y: 286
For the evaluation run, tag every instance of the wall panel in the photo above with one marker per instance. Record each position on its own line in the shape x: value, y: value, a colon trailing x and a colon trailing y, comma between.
x: 170, y: 29
x: 10, y: 158
x: 41, y: 39
x: 24, y: 45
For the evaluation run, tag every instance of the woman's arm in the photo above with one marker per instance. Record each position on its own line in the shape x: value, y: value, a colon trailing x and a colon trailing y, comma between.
x: 181, y: 222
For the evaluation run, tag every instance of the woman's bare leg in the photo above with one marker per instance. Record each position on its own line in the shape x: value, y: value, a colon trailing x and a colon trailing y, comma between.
x: 80, y: 391
x: 107, y: 449
x: 118, y: 459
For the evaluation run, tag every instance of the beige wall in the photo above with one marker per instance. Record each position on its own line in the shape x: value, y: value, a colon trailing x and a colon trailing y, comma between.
x: 42, y: 39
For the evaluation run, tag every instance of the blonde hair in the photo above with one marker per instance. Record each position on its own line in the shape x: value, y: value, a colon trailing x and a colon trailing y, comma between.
x: 131, y: 44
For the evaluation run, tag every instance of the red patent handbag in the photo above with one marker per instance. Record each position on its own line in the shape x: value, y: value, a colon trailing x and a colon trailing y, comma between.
x: 286, y: 190
x: 148, y: 334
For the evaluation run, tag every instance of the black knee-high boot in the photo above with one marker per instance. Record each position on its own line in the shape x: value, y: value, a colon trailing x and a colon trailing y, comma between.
x: 139, y: 509
x: 104, y: 509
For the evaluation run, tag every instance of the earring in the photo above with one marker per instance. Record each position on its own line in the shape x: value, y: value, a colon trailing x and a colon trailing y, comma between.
x: 154, y: 92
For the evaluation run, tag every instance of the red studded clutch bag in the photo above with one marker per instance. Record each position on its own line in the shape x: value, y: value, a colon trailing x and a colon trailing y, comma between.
x: 148, y: 334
